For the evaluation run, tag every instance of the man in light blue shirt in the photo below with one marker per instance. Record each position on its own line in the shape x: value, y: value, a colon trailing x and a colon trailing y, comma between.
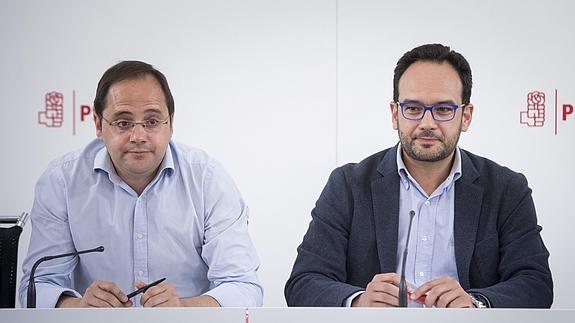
x: 160, y: 209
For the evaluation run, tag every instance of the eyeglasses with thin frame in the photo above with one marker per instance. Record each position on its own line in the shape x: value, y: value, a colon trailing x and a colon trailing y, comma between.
x: 439, y: 112
x: 149, y: 125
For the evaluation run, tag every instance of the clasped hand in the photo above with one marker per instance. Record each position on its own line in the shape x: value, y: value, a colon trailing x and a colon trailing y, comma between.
x: 383, y: 291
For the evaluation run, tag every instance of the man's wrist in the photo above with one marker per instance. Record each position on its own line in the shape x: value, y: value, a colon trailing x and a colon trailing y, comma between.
x: 353, y: 300
x: 200, y: 301
x: 479, y: 300
x: 68, y: 301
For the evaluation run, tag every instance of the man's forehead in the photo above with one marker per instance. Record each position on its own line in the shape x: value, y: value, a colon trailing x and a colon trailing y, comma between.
x: 426, y: 67
x: 432, y: 77
x: 143, y: 92
x: 136, y: 84
x: 130, y: 113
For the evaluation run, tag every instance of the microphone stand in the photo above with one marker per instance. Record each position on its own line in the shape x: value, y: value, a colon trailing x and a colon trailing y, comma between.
x: 402, y: 282
x: 31, y: 299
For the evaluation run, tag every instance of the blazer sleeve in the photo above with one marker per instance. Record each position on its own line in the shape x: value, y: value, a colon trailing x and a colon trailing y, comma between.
x: 524, y: 275
x: 319, y: 272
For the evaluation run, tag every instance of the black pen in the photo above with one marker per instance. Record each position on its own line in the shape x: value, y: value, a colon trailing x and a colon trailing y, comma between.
x: 145, y: 288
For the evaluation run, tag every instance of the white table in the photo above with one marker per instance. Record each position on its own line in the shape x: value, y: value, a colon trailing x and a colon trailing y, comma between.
x: 287, y: 315
x: 409, y: 315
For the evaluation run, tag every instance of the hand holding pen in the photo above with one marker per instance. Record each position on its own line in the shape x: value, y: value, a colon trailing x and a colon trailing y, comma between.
x: 144, y: 288
x: 157, y: 295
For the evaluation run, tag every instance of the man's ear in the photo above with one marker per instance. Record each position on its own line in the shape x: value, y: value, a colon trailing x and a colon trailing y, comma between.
x: 394, y: 110
x: 98, y: 124
x: 467, y: 117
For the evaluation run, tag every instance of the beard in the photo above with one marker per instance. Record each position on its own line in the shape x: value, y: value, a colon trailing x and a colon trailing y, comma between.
x: 444, y: 147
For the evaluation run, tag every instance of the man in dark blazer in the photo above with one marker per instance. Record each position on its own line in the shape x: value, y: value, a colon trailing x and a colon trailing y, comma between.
x: 485, y: 250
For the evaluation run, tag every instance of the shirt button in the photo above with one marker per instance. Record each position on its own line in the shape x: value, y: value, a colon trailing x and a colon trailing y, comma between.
x: 424, y: 238
x: 140, y: 236
x: 140, y: 273
x: 421, y: 273
x: 427, y: 203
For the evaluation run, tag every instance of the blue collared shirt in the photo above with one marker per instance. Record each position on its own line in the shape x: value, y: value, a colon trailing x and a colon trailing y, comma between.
x: 188, y: 225
x: 431, y: 252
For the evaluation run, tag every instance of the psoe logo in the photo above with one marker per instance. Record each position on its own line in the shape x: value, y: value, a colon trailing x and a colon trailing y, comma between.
x: 534, y: 113
x: 52, y: 116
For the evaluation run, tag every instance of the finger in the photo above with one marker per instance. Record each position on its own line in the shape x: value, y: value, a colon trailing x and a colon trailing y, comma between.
x: 114, y: 290
x: 434, y: 295
x: 156, y: 300
x: 444, y: 292
x: 461, y: 302
x: 420, y: 300
x: 93, y: 301
x: 96, y: 303
x: 427, y: 287
x: 447, y: 298
x: 107, y: 297
x: 457, y: 299
x: 139, y: 284
x: 386, y: 300
x: 382, y: 287
x: 153, y: 291
x: 392, y: 278
x: 377, y: 299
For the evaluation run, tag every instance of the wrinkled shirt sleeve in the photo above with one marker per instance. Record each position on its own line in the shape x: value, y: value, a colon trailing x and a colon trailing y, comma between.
x: 50, y: 236
x: 228, y: 250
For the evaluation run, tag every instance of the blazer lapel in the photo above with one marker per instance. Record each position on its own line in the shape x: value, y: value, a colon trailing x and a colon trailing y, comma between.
x: 468, y: 197
x: 385, y: 197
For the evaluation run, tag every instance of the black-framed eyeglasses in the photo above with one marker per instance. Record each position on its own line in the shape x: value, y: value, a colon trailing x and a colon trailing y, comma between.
x: 439, y: 112
x: 149, y: 125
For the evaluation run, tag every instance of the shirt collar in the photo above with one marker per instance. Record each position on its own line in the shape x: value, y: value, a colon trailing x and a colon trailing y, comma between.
x: 103, y: 162
x: 406, y: 178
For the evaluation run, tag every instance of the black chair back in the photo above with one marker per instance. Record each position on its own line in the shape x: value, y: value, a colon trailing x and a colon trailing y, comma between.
x: 9, y: 238
x: 8, y: 265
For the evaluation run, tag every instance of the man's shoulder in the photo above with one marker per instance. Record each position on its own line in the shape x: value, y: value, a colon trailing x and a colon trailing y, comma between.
x: 192, y: 156
x: 84, y: 155
x: 489, y: 171
x: 371, y: 167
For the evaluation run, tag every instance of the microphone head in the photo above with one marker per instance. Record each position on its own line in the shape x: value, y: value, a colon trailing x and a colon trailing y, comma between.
x: 412, y: 213
x: 99, y: 249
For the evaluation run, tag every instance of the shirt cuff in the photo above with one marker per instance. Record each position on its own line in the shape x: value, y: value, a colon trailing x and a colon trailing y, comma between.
x: 237, y: 294
x: 47, y: 296
x: 351, y: 298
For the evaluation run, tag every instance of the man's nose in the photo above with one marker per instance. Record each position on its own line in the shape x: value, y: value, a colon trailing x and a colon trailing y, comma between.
x: 427, y: 122
x: 138, y: 133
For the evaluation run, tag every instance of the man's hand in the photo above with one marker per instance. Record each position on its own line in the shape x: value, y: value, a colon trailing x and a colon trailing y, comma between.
x: 442, y: 292
x: 99, y: 294
x: 382, y: 291
x: 161, y: 295
x: 165, y: 295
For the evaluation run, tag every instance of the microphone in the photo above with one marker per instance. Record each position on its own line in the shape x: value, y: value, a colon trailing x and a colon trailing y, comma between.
x: 402, y: 282
x: 31, y: 300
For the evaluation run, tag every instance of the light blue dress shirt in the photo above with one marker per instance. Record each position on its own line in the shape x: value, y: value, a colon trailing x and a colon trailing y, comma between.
x: 188, y: 225
x: 431, y: 252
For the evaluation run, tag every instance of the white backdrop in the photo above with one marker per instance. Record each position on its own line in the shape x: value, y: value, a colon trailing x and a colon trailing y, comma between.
x: 281, y: 92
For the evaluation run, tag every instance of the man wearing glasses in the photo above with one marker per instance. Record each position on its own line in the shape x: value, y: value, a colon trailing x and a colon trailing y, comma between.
x: 474, y: 239
x: 160, y: 209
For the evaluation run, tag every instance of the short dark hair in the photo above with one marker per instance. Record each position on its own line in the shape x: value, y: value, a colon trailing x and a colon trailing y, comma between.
x: 128, y: 70
x: 435, y: 53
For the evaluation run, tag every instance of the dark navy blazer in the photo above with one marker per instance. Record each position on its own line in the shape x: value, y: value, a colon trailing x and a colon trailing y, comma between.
x: 353, y: 235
